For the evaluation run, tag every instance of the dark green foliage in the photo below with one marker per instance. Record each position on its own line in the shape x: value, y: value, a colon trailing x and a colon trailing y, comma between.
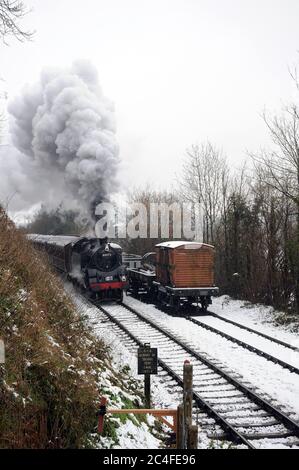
x: 55, y: 222
x: 49, y: 392
x: 257, y: 254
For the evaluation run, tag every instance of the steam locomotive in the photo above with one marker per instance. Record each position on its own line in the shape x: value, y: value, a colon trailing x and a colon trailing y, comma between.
x: 93, y: 264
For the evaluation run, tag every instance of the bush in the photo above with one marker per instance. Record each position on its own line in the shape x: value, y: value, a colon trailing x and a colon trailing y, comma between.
x: 49, y: 388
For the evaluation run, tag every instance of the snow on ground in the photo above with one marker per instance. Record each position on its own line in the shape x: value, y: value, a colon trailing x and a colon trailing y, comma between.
x: 270, y: 347
x: 276, y: 382
x: 164, y: 392
x: 258, y: 316
x: 130, y: 436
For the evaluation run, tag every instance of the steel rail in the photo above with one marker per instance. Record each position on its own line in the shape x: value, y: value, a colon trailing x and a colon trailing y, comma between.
x: 252, y: 330
x: 232, y: 322
x: 241, y: 343
x: 244, y: 345
x: 279, y: 415
x: 233, y: 434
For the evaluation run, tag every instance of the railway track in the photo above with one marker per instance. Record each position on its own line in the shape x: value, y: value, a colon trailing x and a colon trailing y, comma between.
x: 230, y: 409
x: 194, y: 311
x: 252, y: 330
x: 243, y: 344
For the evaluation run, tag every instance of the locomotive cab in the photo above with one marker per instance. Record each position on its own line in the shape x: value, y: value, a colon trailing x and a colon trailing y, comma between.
x: 104, y: 271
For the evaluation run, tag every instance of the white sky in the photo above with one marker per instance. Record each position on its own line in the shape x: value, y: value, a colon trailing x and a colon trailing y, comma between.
x: 178, y: 71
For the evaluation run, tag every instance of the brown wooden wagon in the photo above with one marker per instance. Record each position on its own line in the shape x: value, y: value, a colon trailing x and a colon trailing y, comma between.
x: 185, y: 272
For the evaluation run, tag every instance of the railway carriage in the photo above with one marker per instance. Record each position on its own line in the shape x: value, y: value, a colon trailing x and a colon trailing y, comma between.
x: 93, y: 264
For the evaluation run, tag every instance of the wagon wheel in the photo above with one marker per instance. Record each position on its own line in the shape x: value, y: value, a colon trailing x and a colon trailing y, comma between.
x: 175, y: 304
x: 204, y: 305
x: 151, y: 293
x: 135, y: 289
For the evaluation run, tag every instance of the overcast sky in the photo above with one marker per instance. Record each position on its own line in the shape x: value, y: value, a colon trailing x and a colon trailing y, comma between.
x: 178, y: 71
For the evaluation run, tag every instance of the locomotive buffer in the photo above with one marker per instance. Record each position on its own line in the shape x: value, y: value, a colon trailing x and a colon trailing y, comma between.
x: 147, y: 365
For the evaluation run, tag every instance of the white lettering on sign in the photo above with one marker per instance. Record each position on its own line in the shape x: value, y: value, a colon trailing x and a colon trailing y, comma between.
x: 2, y: 353
x: 147, y: 360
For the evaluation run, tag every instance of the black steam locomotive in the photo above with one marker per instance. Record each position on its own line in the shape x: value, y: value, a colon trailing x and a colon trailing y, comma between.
x: 93, y: 264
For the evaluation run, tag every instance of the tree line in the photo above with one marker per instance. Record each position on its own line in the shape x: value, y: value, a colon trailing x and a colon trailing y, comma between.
x: 250, y: 215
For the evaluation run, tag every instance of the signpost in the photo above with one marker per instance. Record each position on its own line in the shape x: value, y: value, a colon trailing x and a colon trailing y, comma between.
x: 147, y: 365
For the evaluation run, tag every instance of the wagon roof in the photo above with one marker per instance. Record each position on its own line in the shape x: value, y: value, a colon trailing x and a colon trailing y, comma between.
x: 59, y: 240
x: 62, y: 240
x: 177, y: 244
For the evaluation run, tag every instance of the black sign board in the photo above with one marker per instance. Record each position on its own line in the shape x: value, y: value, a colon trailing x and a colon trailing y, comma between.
x: 147, y: 360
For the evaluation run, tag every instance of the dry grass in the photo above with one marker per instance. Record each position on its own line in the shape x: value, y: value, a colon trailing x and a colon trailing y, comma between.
x: 49, y: 384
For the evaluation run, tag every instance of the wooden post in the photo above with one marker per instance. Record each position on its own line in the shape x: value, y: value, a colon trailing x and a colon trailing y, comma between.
x: 101, y: 414
x: 147, y: 390
x: 180, y: 427
x: 188, y: 398
x: 192, y: 437
x: 190, y: 431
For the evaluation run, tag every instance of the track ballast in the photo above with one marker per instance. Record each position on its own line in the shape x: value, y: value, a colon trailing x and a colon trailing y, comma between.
x: 244, y: 416
x: 189, y: 315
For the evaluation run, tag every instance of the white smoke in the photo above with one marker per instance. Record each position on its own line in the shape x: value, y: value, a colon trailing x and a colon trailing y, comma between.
x: 64, y: 129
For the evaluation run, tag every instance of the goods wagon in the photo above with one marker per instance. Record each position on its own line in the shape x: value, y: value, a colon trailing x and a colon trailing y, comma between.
x: 185, y: 265
x: 179, y: 272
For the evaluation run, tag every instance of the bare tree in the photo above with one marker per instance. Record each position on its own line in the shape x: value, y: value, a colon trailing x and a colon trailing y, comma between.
x: 279, y: 169
x: 205, y: 180
x: 282, y: 164
x: 152, y: 225
x: 11, y: 12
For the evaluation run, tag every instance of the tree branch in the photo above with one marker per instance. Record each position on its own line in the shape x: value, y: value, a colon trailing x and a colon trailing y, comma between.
x: 11, y: 12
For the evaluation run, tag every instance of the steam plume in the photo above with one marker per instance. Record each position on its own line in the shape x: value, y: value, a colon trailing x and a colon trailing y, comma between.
x: 65, y: 130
